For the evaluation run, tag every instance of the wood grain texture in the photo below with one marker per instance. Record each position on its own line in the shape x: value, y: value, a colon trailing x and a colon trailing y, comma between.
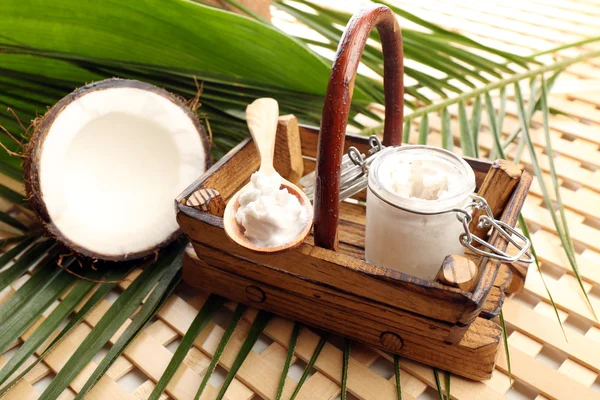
x: 355, y: 276
x: 292, y: 296
x: 327, y: 286
x: 208, y: 201
x: 288, y: 150
x: 457, y: 271
x: 352, y: 234
x: 527, y: 25
x: 496, y: 189
x: 488, y: 269
x: 337, y: 106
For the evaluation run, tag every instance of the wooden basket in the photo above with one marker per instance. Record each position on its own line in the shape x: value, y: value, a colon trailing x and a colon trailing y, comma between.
x: 325, y: 282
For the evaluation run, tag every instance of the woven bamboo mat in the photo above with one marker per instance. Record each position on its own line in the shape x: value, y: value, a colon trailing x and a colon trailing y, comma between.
x: 544, y: 365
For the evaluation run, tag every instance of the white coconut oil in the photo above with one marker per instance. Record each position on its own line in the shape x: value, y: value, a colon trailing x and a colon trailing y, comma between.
x: 270, y: 216
x: 405, y: 184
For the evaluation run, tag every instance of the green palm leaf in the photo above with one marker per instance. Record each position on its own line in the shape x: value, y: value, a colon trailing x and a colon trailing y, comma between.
x: 424, y: 129
x: 205, y: 42
x: 47, y: 328
x: 96, y: 297
x: 235, y: 318
x: 561, y: 226
x: 29, y: 311
x: 288, y: 358
x: 446, y: 130
x: 12, y: 196
x: 111, y: 321
x: 165, y: 287
x: 37, y: 283
x: 175, y: 41
x: 208, y: 310
x: 495, y: 129
x: 476, y: 124
x: 466, y: 136
x: 259, y: 324
x: 397, y: 375
x: 438, y: 383
x: 345, y: 364
x: 506, y: 349
x: 310, y: 364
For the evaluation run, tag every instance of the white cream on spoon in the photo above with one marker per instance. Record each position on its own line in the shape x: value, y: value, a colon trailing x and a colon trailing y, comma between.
x: 270, y: 216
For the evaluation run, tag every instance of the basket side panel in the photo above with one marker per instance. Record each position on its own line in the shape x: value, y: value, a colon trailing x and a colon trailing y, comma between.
x: 490, y: 268
x: 361, y: 319
x: 338, y: 270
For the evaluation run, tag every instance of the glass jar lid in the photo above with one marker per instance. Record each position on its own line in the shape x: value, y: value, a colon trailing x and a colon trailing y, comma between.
x: 421, y: 178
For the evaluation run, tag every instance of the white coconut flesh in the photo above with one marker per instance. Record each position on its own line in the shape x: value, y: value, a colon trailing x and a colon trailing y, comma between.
x: 111, y: 165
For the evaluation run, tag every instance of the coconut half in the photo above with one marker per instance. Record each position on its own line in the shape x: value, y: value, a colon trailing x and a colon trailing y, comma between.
x: 105, y: 164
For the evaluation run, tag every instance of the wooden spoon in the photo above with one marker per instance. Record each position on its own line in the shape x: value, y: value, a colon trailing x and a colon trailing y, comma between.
x: 261, y: 117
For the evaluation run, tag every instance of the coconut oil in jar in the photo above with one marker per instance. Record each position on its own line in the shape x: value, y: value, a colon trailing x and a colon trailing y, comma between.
x: 411, y: 192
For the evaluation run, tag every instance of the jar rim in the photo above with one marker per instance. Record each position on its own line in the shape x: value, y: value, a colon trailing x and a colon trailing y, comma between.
x: 422, y: 206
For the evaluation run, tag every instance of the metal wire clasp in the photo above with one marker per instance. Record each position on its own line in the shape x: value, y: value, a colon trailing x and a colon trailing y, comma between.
x: 487, y: 221
x: 354, y: 178
x: 354, y: 171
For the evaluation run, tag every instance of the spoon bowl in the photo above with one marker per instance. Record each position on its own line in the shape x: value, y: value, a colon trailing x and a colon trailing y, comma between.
x: 235, y: 231
x: 262, y: 116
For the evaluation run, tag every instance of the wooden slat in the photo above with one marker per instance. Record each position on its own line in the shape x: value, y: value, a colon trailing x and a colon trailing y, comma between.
x: 517, y: 26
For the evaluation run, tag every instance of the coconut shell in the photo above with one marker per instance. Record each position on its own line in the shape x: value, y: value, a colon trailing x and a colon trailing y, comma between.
x: 31, y: 173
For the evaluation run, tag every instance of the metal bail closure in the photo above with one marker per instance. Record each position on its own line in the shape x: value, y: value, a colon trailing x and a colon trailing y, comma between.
x: 354, y: 178
x: 354, y: 171
x: 504, y: 230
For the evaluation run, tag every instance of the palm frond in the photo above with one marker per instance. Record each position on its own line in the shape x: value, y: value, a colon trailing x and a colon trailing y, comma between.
x: 310, y: 364
x: 159, y: 295
x: 38, y: 69
x: 438, y: 384
x: 208, y: 310
x: 446, y: 131
x: 506, y: 350
x: 495, y: 129
x: 447, y: 385
x: 561, y: 225
x: 476, y: 124
x: 235, y: 318
x: 288, y: 358
x: 12, y: 196
x: 466, y: 135
x: 525, y: 230
x: 465, y: 96
x: 112, y: 320
x: 345, y: 365
x: 397, y: 375
x: 424, y: 129
x: 99, y: 294
x: 81, y: 289
x: 259, y: 324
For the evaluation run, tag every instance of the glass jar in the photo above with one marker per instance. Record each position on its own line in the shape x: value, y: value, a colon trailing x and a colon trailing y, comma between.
x: 410, y: 234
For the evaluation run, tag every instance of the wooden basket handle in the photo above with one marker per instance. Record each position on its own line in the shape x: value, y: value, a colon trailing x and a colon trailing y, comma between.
x: 337, y: 107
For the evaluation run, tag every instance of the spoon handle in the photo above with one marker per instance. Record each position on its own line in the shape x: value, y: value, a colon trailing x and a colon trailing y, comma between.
x: 261, y: 117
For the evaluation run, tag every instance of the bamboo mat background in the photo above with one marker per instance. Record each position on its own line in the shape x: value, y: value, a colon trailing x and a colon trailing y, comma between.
x: 544, y: 365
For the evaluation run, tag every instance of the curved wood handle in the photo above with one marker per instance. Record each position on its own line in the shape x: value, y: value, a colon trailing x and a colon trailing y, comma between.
x: 337, y: 107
